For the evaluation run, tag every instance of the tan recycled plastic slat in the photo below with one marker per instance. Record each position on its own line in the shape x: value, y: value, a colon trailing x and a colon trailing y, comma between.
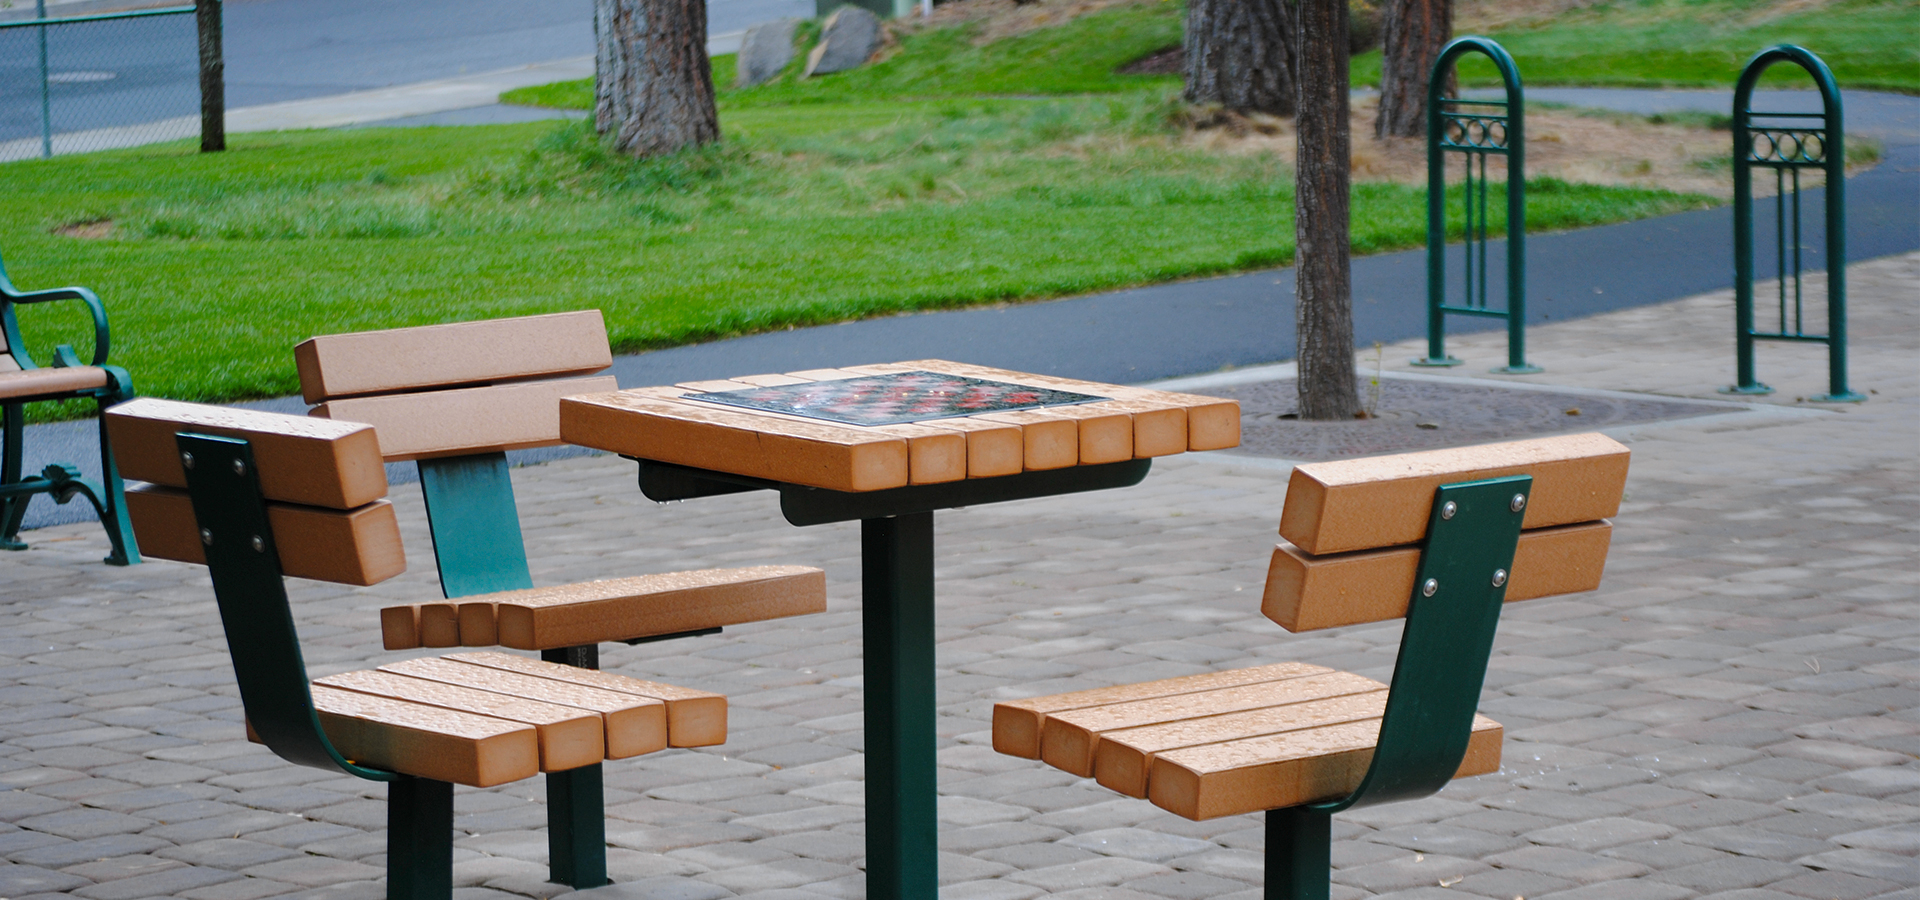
x: 465, y: 421
x: 427, y: 741
x: 647, y: 605
x: 695, y: 718
x: 400, y: 627
x: 458, y: 353
x: 1123, y: 758
x: 479, y: 623
x: 771, y: 380
x: 993, y: 448
x: 302, y: 460
x: 359, y: 546
x: 1017, y: 723
x: 1049, y: 438
x: 1306, y: 592
x: 440, y: 624
x: 1211, y: 423
x: 569, y: 737
x: 1384, y: 501
x: 1049, y: 442
x: 812, y: 454
x: 1109, y: 429
x: 934, y: 455
x: 1286, y: 770
x: 634, y: 724
x: 1069, y: 739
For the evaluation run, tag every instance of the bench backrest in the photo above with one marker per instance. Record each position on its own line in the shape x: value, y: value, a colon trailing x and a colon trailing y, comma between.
x: 455, y: 398
x: 255, y: 495
x: 1442, y: 538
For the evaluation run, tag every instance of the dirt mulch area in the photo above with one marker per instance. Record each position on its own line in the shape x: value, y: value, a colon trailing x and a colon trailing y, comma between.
x: 1005, y: 18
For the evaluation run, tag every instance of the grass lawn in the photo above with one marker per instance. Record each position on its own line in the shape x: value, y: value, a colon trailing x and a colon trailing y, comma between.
x: 883, y: 190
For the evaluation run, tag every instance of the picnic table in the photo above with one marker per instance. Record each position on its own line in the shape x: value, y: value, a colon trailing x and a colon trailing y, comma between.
x: 889, y: 445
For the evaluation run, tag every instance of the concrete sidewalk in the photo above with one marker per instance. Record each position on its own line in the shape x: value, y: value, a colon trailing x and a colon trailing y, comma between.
x: 1732, y: 716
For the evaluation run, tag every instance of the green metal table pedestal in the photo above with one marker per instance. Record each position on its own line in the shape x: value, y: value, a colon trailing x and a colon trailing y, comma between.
x: 896, y: 553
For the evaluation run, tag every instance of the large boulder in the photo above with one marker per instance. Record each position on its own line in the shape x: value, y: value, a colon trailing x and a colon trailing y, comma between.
x: 766, y: 50
x: 849, y: 36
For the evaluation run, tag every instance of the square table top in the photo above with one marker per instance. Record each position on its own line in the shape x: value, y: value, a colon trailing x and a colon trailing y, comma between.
x: 671, y: 424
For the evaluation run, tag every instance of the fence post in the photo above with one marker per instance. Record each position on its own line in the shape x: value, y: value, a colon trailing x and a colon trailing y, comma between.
x: 1786, y: 149
x: 1498, y: 131
x: 213, y: 77
x: 46, y: 97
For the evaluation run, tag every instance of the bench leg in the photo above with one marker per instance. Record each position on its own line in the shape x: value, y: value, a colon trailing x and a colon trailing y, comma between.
x: 576, y: 808
x: 419, y: 839
x: 113, y: 502
x: 12, y: 509
x: 897, y: 635
x: 1299, y: 854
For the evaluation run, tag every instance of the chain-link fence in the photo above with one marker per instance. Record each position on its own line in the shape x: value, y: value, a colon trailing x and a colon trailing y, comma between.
x: 81, y: 83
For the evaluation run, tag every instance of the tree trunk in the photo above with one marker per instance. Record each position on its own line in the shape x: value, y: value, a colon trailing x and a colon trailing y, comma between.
x: 653, y: 84
x: 1240, y: 54
x: 1416, y: 32
x: 1323, y: 311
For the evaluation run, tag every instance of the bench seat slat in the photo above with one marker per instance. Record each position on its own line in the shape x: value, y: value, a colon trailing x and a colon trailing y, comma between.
x: 1385, y: 501
x: 358, y: 546
x: 569, y: 737
x: 465, y: 421
x: 1306, y: 592
x: 304, y: 460
x: 26, y: 385
x: 427, y: 741
x: 455, y: 354
x: 695, y: 718
x: 634, y: 724
x: 1017, y: 724
x: 1070, y: 739
x: 1285, y: 770
x: 613, y: 610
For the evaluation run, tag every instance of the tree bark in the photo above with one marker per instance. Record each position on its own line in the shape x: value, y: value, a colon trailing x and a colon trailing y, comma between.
x: 1240, y: 54
x: 653, y: 84
x: 1323, y: 311
x: 1415, y: 33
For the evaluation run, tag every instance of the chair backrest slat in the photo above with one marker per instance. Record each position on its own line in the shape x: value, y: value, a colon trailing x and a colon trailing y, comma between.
x: 458, y: 354
x: 310, y: 461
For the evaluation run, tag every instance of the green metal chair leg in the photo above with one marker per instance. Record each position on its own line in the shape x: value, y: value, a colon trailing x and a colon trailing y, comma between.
x: 1299, y: 853
x: 419, y: 839
x: 576, y: 805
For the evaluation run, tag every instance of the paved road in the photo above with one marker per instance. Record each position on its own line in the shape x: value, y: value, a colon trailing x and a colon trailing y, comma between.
x: 1171, y: 330
x: 279, y: 50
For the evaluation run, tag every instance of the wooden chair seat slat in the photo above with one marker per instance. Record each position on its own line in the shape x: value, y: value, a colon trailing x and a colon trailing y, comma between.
x: 635, y: 724
x: 569, y: 737
x: 695, y: 718
x: 1018, y: 724
x: 427, y: 741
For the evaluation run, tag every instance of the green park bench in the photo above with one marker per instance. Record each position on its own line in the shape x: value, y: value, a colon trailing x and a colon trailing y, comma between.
x: 1440, y: 538
x: 454, y: 399
x: 24, y: 381
x: 256, y: 496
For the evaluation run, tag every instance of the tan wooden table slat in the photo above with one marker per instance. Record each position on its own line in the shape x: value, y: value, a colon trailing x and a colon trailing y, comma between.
x: 569, y: 737
x: 427, y: 741
x: 1211, y: 423
x: 934, y: 455
x: 359, y: 546
x: 1306, y: 592
x: 635, y: 724
x: 1017, y: 724
x: 695, y: 718
x: 1285, y: 770
x: 816, y: 454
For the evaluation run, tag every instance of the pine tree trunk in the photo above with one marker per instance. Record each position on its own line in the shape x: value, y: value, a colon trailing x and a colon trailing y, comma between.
x: 1415, y: 33
x: 1323, y: 310
x: 1240, y: 55
x: 653, y: 84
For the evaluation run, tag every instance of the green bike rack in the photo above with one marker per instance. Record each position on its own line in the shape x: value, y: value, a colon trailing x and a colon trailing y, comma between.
x: 1442, y: 665
x: 244, y: 565
x: 1788, y: 143
x: 1497, y: 128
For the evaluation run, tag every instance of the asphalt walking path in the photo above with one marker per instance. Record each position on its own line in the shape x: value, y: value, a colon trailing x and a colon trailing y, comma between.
x: 1732, y: 716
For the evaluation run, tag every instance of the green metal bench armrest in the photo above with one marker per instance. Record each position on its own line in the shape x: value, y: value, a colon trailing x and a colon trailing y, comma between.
x: 258, y: 620
x: 102, y: 340
x: 1447, y: 642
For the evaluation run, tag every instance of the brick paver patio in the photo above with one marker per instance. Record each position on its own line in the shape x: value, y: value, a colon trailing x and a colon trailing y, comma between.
x: 1732, y: 716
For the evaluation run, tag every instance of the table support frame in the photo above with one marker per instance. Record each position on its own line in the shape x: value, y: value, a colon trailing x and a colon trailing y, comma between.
x: 897, y: 623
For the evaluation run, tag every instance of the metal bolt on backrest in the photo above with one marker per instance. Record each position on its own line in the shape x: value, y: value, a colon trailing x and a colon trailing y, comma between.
x: 239, y: 467
x: 206, y: 534
x: 186, y: 460
x: 1499, y: 577
x: 260, y: 546
x: 1430, y: 588
x: 1448, y: 509
x: 1519, y: 502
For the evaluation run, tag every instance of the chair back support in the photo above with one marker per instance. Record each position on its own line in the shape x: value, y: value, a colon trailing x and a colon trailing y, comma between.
x: 234, y: 480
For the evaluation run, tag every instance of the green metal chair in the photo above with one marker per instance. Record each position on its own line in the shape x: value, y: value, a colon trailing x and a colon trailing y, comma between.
x: 24, y: 381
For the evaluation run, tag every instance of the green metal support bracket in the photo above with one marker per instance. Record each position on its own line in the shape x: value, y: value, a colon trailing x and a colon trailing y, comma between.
x: 897, y: 626
x: 419, y: 839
